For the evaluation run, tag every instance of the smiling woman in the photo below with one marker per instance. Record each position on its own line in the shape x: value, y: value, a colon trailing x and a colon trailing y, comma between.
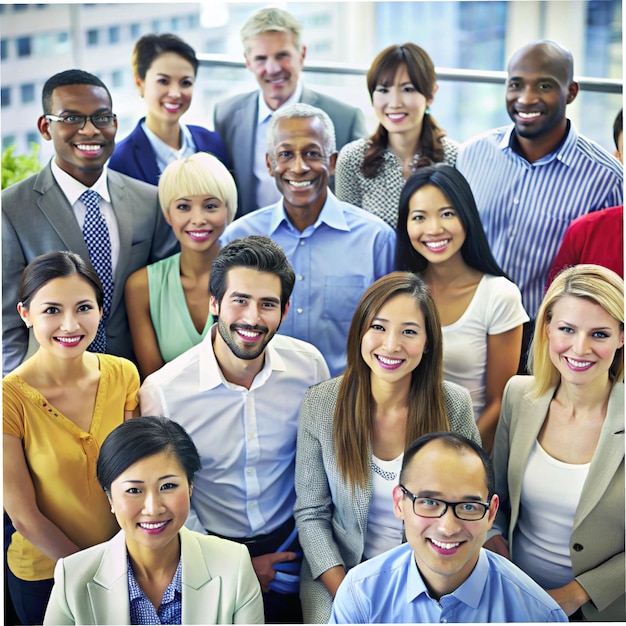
x: 154, y: 571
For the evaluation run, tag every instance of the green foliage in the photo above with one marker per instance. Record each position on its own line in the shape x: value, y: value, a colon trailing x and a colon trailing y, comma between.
x: 16, y: 168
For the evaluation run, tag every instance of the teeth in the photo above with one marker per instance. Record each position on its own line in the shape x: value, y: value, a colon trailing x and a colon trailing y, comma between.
x: 198, y: 233
x: 528, y: 116
x: 88, y: 147
x: 436, y: 245
x: 396, y: 116
x: 388, y: 361
x: 579, y: 363
x: 171, y: 107
x: 303, y: 183
x: 445, y: 546
x: 152, y: 525
x: 68, y: 339
x: 249, y: 333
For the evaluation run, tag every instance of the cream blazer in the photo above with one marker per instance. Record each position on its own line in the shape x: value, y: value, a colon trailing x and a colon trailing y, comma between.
x: 597, y: 541
x: 219, y: 585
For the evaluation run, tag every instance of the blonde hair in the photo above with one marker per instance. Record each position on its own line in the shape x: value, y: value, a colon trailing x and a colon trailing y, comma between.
x: 269, y: 20
x: 199, y: 174
x: 593, y: 282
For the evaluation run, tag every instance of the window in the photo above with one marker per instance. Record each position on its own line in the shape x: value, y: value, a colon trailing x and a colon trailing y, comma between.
x: 135, y: 31
x: 23, y: 47
x: 5, y: 96
x: 155, y: 26
x: 174, y: 24
x: 4, y: 49
x: 7, y: 141
x: 32, y: 137
x: 92, y: 37
x: 193, y: 21
x: 114, y: 34
x: 27, y: 91
x: 117, y: 78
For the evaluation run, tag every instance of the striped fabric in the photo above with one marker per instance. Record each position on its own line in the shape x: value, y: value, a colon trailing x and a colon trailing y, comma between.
x: 526, y: 207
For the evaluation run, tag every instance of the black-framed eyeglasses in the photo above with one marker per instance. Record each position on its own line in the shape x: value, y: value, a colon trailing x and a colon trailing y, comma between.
x: 433, y: 507
x: 98, y: 120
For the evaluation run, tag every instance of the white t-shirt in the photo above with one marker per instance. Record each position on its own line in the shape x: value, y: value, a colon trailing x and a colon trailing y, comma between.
x: 495, y: 308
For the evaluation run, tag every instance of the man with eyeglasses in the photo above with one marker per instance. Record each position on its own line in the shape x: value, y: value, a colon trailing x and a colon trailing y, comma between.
x: 442, y: 574
x: 75, y: 203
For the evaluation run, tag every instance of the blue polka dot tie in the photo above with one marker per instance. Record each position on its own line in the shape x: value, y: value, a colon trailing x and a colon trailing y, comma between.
x: 96, y: 235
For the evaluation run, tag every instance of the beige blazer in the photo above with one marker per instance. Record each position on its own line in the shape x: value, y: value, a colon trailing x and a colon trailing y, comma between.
x: 597, y: 541
x: 219, y: 585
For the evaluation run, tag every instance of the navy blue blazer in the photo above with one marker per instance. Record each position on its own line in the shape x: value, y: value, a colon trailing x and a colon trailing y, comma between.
x: 135, y: 157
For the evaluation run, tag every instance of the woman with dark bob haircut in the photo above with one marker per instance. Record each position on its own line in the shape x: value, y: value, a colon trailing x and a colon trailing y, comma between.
x: 441, y: 238
x: 354, y: 428
x: 371, y: 172
x: 154, y: 571
x: 57, y: 408
x: 165, y: 68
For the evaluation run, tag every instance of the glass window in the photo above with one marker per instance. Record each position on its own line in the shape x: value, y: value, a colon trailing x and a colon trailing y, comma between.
x: 117, y: 78
x: 174, y: 24
x: 114, y: 34
x: 135, y: 31
x: 27, y: 91
x: 32, y: 137
x: 20, y: 8
x: 23, y: 46
x: 5, y: 96
x: 7, y: 141
x: 193, y: 21
x: 92, y: 37
x: 4, y: 49
x: 156, y: 26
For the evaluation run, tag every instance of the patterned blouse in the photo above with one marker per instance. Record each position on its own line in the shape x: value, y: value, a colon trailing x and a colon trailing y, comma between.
x: 380, y: 195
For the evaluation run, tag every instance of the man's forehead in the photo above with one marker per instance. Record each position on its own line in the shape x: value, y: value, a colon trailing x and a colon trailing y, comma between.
x: 80, y: 94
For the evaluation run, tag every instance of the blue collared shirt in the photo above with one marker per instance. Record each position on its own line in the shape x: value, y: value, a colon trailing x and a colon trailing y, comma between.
x: 335, y: 260
x: 389, y: 589
x: 170, y: 611
x: 166, y: 154
x: 526, y: 207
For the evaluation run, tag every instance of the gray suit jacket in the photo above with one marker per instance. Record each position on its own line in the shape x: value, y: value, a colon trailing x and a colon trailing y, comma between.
x: 597, y: 541
x: 235, y: 121
x: 219, y: 585
x: 37, y: 218
x: 331, y: 518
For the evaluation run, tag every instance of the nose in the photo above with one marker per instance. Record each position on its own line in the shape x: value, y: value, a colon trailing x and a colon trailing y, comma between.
x: 152, y: 504
x: 69, y: 323
x: 89, y: 128
x: 433, y: 225
x: 299, y: 163
x: 527, y: 95
x: 581, y: 343
x: 272, y: 66
x: 253, y: 314
x: 395, y: 97
x: 198, y: 216
x: 449, y: 524
x: 174, y: 90
x: 390, y: 342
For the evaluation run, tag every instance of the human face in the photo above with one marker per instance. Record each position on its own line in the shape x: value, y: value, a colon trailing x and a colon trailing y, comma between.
x: 276, y: 63
x: 249, y: 314
x: 433, y: 225
x: 81, y: 152
x: 446, y: 548
x: 150, y: 500
x: 582, y: 339
x: 64, y: 314
x: 399, y: 106
x: 537, y: 94
x: 300, y: 163
x: 167, y: 88
x: 395, y: 341
x: 197, y: 220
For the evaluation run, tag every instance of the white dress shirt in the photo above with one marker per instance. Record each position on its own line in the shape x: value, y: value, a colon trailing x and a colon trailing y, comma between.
x: 246, y: 437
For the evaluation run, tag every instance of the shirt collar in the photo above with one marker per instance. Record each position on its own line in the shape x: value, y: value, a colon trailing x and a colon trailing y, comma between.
x: 211, y: 376
x: 186, y: 141
x: 564, y: 152
x: 176, y: 584
x: 264, y: 112
x: 73, y: 189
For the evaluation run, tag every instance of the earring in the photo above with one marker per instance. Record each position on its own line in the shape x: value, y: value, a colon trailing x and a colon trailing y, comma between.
x: 28, y: 324
x: 112, y: 510
x: 427, y: 110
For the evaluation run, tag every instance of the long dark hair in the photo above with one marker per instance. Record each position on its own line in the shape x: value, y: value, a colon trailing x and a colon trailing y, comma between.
x: 475, y: 249
x: 421, y: 71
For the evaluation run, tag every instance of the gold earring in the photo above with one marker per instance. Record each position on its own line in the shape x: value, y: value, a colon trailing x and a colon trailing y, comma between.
x: 112, y: 511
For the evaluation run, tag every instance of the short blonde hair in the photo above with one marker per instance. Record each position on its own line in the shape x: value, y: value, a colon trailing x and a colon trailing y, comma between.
x: 593, y: 282
x: 269, y: 20
x: 201, y: 173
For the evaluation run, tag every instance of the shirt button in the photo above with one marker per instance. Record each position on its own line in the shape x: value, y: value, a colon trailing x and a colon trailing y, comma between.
x: 249, y: 471
x: 301, y: 242
x: 515, y: 200
x: 578, y: 547
x: 298, y: 310
x: 300, y: 277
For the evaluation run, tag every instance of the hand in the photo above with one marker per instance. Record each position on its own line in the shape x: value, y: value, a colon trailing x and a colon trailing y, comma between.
x: 499, y: 545
x: 264, y: 566
x: 570, y: 597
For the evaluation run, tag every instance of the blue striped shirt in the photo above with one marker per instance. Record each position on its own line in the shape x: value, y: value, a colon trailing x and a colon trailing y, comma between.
x: 526, y: 207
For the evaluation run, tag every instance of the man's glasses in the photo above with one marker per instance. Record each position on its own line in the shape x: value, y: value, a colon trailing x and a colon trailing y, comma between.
x: 98, y: 120
x: 432, y: 507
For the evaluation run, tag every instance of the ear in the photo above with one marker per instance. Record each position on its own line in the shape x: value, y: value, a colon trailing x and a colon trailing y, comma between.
x: 44, y: 127
x: 214, y: 306
x: 332, y: 162
x: 398, y: 496
x: 303, y: 54
x: 140, y: 85
x: 621, y: 339
x: 167, y: 218
x: 268, y: 164
x: 23, y: 311
x: 435, y: 90
x: 248, y: 64
x: 493, y: 509
x: 572, y: 92
x: 284, y: 315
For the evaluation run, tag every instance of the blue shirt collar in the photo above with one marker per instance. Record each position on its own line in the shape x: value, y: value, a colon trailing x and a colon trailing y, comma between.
x: 565, y: 152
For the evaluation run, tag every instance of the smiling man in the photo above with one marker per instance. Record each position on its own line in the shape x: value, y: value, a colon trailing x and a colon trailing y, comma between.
x: 336, y: 249
x: 75, y: 203
x: 447, y: 503
x: 238, y: 395
x: 275, y: 55
x: 542, y: 174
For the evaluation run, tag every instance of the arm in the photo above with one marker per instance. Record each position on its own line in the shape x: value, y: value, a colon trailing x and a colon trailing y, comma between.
x: 570, y: 597
x: 20, y: 503
x: 145, y: 344
x: 503, y: 352
x: 58, y: 610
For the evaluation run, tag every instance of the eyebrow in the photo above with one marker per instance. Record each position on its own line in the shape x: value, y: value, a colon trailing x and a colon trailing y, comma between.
x: 51, y: 303
x: 140, y: 482
x: 77, y: 112
x: 170, y: 76
x: 442, y: 208
x: 382, y: 319
x: 237, y: 294
x: 603, y: 328
x: 437, y: 495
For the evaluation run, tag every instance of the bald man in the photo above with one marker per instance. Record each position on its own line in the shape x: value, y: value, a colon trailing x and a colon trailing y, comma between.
x: 542, y: 173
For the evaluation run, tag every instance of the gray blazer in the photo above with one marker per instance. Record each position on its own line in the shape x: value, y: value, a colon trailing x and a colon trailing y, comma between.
x: 37, y: 218
x: 235, y: 121
x: 219, y: 585
x: 597, y: 541
x: 330, y: 516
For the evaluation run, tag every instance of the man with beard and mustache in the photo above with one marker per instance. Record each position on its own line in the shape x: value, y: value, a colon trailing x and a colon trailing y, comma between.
x: 532, y: 178
x: 238, y: 395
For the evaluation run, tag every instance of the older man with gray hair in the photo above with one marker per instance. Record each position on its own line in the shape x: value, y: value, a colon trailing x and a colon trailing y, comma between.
x: 275, y: 54
x: 337, y: 250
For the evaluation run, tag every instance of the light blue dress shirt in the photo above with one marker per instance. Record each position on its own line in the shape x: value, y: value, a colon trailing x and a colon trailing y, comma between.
x: 166, y: 154
x: 389, y: 589
x: 335, y: 260
x: 526, y: 208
